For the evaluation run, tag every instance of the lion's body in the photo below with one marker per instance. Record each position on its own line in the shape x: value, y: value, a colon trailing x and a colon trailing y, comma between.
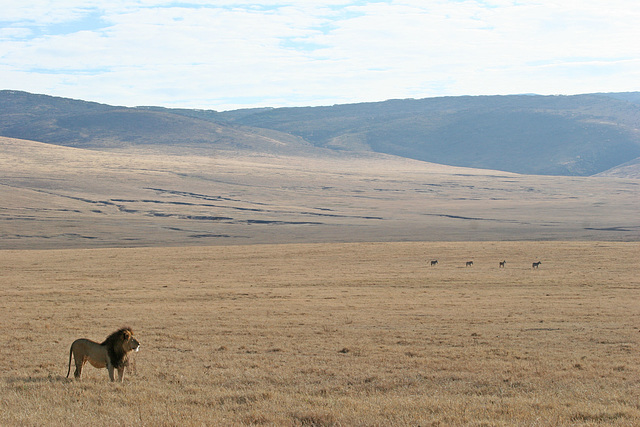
x: 111, y: 354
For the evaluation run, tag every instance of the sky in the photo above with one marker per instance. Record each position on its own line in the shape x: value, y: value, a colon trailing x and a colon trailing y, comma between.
x: 230, y: 54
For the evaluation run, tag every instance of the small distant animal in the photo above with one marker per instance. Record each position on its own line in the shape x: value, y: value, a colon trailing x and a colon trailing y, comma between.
x: 536, y: 264
x: 434, y: 262
x: 502, y: 263
x: 112, y: 354
x: 469, y: 263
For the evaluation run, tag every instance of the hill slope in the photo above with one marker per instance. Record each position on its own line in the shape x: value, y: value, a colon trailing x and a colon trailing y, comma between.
x: 60, y: 197
x: 82, y: 124
x: 549, y: 135
x: 626, y: 170
x: 555, y: 135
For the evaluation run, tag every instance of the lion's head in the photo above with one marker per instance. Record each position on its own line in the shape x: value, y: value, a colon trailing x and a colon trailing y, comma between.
x: 119, y: 344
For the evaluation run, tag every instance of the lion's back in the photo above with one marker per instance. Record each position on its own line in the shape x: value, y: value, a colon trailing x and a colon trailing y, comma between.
x: 91, y: 350
x: 83, y: 343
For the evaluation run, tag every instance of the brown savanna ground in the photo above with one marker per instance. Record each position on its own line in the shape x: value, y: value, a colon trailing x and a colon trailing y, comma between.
x: 58, y: 197
x: 328, y: 334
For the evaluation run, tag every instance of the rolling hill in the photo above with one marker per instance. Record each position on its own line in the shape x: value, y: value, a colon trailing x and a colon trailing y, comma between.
x: 548, y: 135
x: 579, y: 135
x: 81, y: 124
x: 67, y: 197
x: 80, y: 174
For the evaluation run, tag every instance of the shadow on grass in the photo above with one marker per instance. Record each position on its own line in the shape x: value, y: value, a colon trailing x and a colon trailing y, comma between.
x: 38, y: 379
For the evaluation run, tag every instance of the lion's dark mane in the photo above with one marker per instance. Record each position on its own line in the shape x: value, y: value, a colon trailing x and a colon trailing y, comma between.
x: 114, y: 347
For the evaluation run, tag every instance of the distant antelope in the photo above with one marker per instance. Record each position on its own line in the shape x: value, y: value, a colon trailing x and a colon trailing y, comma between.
x: 469, y: 263
x: 536, y: 264
x: 502, y: 263
x: 434, y: 262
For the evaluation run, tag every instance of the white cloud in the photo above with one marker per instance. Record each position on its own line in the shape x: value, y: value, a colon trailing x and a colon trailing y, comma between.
x: 285, y: 52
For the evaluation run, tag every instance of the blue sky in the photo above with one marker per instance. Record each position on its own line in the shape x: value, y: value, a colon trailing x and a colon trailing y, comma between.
x: 231, y: 54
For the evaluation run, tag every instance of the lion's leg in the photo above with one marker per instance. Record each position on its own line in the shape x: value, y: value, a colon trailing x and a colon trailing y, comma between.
x: 80, y: 361
x: 111, y: 371
x: 121, y: 373
x: 70, y: 355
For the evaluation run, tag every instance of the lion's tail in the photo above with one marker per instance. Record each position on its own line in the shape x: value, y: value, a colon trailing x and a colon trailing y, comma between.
x: 70, y: 354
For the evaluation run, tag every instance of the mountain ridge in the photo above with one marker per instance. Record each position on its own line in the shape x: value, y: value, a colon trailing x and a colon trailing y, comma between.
x: 579, y: 135
x: 576, y: 135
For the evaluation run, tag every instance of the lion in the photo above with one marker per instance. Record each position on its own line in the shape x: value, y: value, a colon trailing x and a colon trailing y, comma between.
x: 112, y: 354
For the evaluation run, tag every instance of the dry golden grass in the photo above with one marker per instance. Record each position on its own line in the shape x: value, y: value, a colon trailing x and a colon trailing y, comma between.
x: 328, y: 334
x: 59, y: 197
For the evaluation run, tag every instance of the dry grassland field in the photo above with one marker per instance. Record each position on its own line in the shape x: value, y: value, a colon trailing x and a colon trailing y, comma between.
x: 360, y: 334
x: 59, y: 197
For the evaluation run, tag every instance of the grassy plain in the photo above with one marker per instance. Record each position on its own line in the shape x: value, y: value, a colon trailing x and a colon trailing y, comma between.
x: 328, y: 334
x: 59, y: 197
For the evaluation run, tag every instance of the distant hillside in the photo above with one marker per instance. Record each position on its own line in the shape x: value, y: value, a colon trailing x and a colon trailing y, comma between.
x: 83, y: 124
x: 633, y: 97
x: 63, y: 197
x: 555, y: 135
x: 626, y: 170
x: 552, y: 135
